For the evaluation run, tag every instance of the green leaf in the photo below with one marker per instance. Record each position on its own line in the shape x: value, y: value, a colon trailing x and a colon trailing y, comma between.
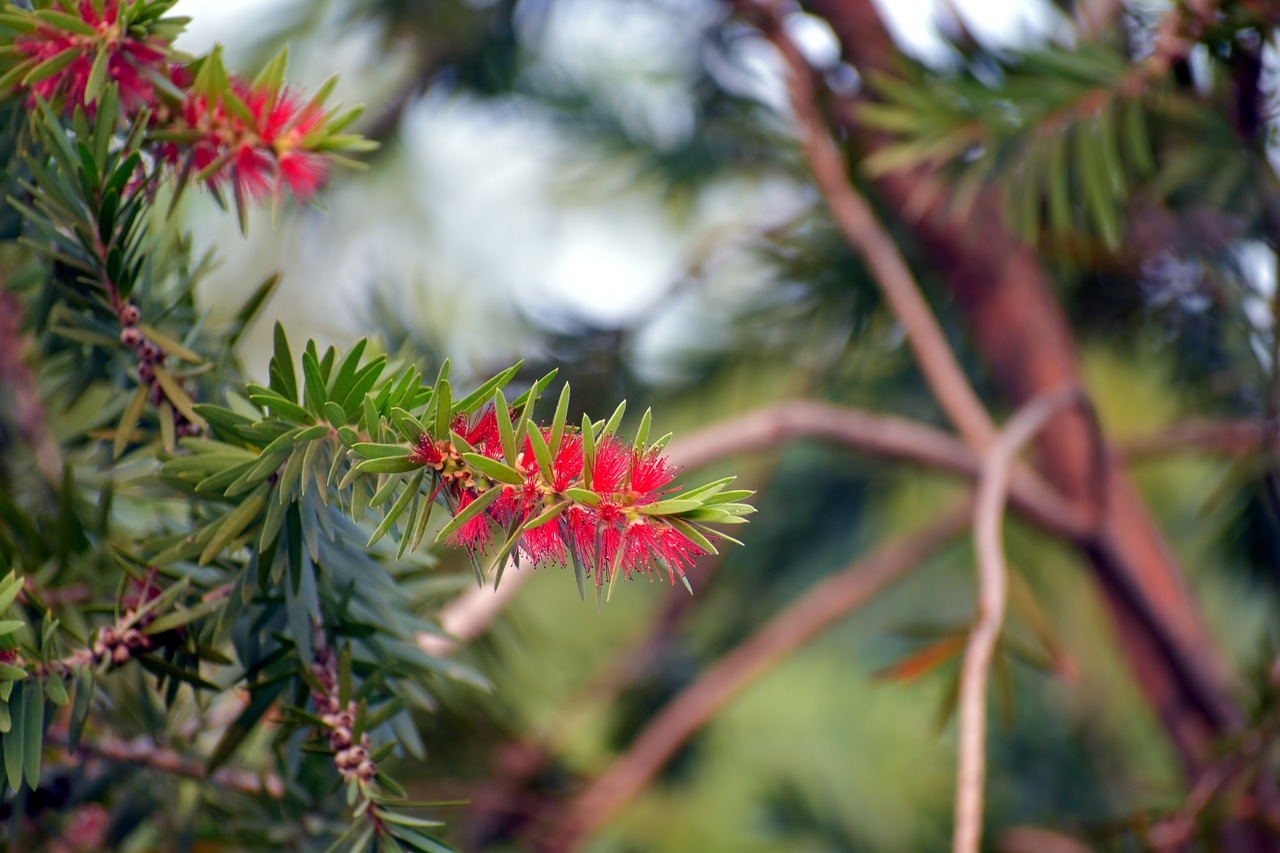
x: 470, y: 511
x: 493, y: 469
x: 344, y: 380
x: 10, y: 626
x: 444, y: 407
x: 50, y: 67
x: 169, y: 344
x: 80, y: 707
x: 33, y: 727
x: 615, y: 419
x: 397, y: 509
x: 97, y: 76
x: 541, y: 452
x: 158, y: 666
x: 271, y: 77
x: 282, y: 367
x: 249, y: 310
x: 642, y: 433
x: 546, y: 516
x: 128, y: 421
x: 235, y: 522
x: 505, y: 431
x: 588, y: 449
x: 558, y: 421
x: 388, y: 465
x: 373, y: 450
x: 315, y: 396
x: 693, y: 533
x: 670, y: 506
x: 583, y: 496
x: 56, y: 690
x: 406, y: 820
x: 67, y: 23
x: 481, y: 395
x: 180, y: 618
x: 177, y: 396
x: 14, y: 740
x: 9, y: 589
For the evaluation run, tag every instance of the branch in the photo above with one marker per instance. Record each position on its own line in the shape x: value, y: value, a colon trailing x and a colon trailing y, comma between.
x: 1229, y: 438
x: 889, y: 436
x: 822, y: 605
x: 993, y: 581
x: 144, y: 752
x: 855, y: 218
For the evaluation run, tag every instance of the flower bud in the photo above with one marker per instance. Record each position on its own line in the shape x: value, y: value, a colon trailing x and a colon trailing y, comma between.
x: 129, y: 315
x: 131, y: 337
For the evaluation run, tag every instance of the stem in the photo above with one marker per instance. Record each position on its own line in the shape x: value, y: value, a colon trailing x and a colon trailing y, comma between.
x: 855, y: 218
x: 993, y: 582
x: 789, y: 630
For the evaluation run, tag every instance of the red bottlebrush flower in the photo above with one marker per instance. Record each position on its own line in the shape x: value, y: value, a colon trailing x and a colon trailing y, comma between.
x: 611, y: 466
x: 130, y: 61
x: 480, y: 431
x: 476, y: 533
x: 544, y: 544
x: 566, y: 466
x: 261, y: 153
x: 651, y: 474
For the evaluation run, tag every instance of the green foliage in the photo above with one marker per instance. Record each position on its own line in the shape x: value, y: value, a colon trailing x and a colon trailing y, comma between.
x: 236, y: 599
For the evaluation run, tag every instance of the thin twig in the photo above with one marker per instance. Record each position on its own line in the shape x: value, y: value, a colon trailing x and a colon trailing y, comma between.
x: 145, y: 753
x: 822, y: 605
x: 993, y: 581
x: 858, y: 223
x: 1229, y: 438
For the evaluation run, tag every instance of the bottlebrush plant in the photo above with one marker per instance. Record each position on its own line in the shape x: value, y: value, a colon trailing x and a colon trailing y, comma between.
x: 204, y: 635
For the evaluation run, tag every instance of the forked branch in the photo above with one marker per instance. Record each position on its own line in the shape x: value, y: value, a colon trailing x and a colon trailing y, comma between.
x: 993, y: 587
x: 822, y: 605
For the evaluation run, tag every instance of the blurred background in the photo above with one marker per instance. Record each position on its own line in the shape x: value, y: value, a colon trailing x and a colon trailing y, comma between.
x: 613, y: 187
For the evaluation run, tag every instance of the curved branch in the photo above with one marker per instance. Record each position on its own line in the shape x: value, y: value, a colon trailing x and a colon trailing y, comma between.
x: 993, y: 581
x: 858, y: 223
x: 470, y: 613
x: 144, y: 752
x: 822, y: 605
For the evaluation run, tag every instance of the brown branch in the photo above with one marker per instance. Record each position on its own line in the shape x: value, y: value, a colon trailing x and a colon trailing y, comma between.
x: 993, y: 581
x: 144, y: 752
x: 880, y: 435
x: 822, y: 605
x: 856, y: 220
x: 470, y: 613
x: 1020, y: 329
x: 1229, y: 438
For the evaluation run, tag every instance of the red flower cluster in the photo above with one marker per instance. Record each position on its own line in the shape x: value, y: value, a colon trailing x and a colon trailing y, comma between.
x: 604, y: 530
x: 259, y: 148
x: 129, y: 61
x: 257, y: 138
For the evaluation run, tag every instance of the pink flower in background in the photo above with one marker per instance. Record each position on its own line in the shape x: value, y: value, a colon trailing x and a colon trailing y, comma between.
x: 129, y: 61
x: 260, y: 150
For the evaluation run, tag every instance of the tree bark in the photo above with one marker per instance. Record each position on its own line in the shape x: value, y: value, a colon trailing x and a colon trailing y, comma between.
x: 1021, y: 331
